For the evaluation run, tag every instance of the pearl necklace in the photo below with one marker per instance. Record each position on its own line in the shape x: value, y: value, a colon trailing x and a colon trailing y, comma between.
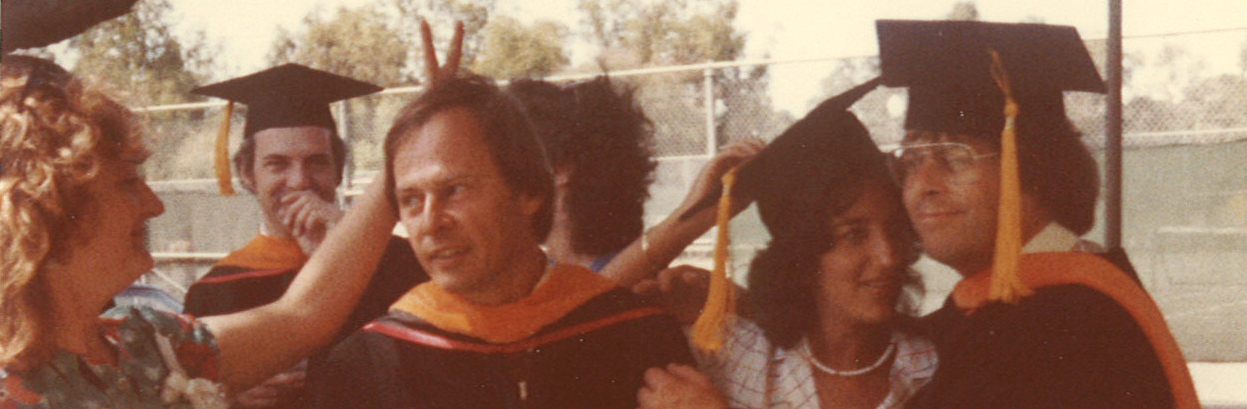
x: 809, y: 357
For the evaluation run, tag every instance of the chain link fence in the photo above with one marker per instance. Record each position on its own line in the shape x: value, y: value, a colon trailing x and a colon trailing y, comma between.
x: 1185, y: 179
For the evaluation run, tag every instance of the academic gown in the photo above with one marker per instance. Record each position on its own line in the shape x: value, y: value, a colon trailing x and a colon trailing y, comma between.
x: 1088, y: 337
x: 260, y: 272
x: 435, y: 350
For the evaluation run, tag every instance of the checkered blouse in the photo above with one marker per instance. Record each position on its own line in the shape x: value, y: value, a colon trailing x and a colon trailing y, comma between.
x: 752, y: 373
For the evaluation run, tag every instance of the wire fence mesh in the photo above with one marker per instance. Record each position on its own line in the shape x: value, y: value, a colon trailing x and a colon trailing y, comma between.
x: 1185, y: 179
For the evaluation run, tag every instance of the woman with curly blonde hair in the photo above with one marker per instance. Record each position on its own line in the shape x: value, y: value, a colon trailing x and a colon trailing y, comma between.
x: 73, y: 209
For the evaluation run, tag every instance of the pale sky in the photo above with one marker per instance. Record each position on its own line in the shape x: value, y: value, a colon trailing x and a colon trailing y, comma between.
x: 779, y: 29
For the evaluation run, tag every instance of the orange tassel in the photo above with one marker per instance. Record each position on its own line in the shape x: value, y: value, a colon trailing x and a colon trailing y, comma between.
x: 708, y: 331
x: 1006, y: 285
x: 220, y: 163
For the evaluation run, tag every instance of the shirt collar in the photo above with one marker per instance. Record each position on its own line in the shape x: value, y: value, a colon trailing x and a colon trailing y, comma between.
x: 1053, y: 237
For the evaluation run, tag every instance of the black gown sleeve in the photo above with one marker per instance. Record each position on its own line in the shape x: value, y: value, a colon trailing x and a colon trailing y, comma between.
x: 360, y: 372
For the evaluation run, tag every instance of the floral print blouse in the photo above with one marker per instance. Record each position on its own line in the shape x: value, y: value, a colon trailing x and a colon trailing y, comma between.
x: 164, y: 361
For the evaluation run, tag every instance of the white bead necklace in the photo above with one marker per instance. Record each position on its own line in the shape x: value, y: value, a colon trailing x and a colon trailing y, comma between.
x: 809, y: 357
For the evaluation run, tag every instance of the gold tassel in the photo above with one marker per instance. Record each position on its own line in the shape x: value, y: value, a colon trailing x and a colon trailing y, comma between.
x: 1006, y: 285
x: 220, y: 161
x: 721, y: 299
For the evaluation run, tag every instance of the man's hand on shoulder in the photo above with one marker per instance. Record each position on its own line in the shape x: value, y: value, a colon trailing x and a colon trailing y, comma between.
x: 679, y: 386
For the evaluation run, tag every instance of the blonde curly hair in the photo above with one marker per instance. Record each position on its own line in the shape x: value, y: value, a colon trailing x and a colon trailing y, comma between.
x: 55, y: 133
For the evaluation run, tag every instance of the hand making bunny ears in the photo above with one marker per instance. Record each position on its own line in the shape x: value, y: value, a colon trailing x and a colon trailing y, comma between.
x: 432, y: 70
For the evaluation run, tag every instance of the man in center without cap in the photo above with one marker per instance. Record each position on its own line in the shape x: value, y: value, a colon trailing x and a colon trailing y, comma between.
x: 499, y: 325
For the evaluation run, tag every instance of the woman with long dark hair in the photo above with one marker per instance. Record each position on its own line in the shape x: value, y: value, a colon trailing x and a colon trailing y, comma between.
x: 825, y: 295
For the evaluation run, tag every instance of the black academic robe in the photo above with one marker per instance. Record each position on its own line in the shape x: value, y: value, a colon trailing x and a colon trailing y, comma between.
x: 1067, y: 345
x: 249, y: 278
x: 593, y: 357
x: 232, y: 286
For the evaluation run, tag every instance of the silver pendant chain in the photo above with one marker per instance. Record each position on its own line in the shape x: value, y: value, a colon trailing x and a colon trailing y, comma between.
x: 809, y: 357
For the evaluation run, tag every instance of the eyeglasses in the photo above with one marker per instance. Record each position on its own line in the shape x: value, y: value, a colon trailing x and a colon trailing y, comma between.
x: 955, y: 158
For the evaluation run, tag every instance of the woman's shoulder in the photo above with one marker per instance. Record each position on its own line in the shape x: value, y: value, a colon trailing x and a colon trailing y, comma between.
x: 162, y: 360
x: 915, y: 355
x: 745, y: 348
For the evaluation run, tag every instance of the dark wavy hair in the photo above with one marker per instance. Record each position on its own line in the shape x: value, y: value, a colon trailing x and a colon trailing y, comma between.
x: 783, y: 278
x: 507, y: 131
x: 56, y: 133
x: 604, y: 140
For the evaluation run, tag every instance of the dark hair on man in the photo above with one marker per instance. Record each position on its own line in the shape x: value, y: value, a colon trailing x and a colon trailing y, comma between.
x: 603, y: 139
x: 1054, y: 166
x: 507, y: 131
x: 244, y: 159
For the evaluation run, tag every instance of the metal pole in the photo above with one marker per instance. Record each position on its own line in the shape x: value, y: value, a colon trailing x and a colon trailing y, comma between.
x: 1112, y: 154
x: 344, y: 130
x: 712, y: 145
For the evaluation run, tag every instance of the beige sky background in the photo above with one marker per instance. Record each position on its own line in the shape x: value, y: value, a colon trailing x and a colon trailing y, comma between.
x: 779, y: 29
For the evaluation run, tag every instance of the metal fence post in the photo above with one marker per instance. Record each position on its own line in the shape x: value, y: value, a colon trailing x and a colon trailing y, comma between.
x: 344, y: 130
x: 707, y: 86
x: 1113, y: 128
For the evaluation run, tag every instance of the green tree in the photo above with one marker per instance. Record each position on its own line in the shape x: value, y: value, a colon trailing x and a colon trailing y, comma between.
x: 143, y: 63
x: 441, y: 14
x: 663, y: 32
x: 360, y: 43
x: 138, y: 54
x: 354, y: 42
x: 644, y: 33
x: 511, y: 49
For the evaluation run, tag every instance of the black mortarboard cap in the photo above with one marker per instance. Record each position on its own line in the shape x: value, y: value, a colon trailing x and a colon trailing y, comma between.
x: 285, y: 96
x: 957, y: 72
x: 288, y: 95
x: 792, y: 178
x: 947, y: 67
x: 38, y: 23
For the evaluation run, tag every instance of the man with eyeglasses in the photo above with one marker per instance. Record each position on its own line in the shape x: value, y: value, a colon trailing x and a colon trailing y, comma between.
x: 999, y: 187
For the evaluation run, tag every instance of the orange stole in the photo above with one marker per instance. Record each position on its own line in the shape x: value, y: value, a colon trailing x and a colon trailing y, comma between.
x: 267, y: 253
x: 1040, y: 270
x: 567, y: 288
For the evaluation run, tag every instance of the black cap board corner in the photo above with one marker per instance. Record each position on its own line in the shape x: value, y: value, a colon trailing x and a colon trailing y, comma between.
x: 822, y: 147
x: 947, y: 67
x: 287, y: 95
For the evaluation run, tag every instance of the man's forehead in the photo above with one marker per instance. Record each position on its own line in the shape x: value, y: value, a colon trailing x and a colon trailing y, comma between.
x: 301, y: 139
x: 918, y: 136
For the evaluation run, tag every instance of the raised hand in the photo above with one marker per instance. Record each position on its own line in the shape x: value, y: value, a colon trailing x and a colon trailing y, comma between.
x: 681, y: 290
x: 667, y: 239
x: 433, y: 72
x: 709, y: 180
x: 679, y: 386
x: 308, y: 217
